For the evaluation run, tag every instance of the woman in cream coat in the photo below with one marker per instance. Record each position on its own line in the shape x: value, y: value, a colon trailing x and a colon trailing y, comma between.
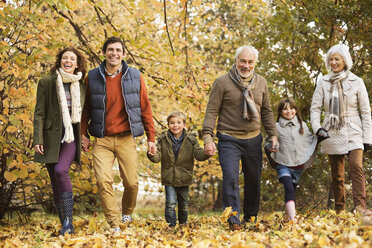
x: 344, y: 98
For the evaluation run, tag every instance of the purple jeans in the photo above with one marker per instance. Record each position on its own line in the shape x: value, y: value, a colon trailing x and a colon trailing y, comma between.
x: 58, y: 172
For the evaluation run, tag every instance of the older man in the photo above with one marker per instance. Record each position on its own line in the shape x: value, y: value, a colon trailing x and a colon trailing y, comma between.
x: 240, y: 100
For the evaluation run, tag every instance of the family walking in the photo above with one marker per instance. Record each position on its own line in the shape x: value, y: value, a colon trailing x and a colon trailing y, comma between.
x: 111, y: 104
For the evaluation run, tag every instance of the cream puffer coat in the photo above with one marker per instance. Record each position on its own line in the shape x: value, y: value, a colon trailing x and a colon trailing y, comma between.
x: 358, y: 128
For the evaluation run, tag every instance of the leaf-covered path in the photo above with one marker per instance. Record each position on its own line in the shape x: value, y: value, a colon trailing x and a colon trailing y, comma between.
x: 316, y: 229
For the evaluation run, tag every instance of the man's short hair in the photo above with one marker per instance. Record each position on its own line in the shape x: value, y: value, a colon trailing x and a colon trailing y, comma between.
x: 240, y: 49
x: 177, y: 113
x: 112, y: 40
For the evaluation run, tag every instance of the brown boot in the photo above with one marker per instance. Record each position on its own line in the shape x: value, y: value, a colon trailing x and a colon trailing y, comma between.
x: 234, y: 227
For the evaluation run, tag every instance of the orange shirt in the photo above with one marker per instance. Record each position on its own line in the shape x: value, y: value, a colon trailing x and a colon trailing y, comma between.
x: 116, y: 120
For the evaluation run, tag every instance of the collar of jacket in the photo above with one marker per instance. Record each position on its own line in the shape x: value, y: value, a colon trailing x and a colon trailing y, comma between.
x: 351, y: 77
x: 234, y: 77
x: 284, y: 122
x: 102, y: 67
x: 165, y: 135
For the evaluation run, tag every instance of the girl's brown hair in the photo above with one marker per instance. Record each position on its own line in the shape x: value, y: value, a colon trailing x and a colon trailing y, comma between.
x: 292, y: 104
x: 81, y: 61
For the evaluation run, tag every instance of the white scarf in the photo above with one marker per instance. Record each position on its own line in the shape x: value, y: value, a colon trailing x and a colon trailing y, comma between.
x: 64, y: 77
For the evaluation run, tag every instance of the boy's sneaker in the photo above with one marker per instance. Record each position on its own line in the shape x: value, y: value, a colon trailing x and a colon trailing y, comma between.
x: 126, y: 219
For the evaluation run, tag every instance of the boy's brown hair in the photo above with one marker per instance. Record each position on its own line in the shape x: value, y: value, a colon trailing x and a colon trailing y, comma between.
x: 177, y: 113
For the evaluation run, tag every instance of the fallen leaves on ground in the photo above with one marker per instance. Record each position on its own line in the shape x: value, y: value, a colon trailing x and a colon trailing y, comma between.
x: 314, y: 229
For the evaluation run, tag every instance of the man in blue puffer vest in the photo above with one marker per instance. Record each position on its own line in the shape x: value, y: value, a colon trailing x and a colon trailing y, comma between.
x: 116, y: 110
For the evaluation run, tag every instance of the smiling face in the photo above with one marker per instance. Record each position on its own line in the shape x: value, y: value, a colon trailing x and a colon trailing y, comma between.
x: 245, y: 63
x: 69, y: 62
x: 336, y: 62
x: 288, y: 112
x: 114, y: 54
x: 176, y: 126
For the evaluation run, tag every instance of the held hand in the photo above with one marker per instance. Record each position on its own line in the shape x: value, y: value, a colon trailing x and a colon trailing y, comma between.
x: 322, y: 134
x: 210, y: 149
x: 274, y: 143
x: 152, y: 150
x: 39, y: 149
x: 85, y: 143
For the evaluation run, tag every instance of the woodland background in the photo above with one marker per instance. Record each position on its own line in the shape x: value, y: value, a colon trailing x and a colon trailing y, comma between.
x: 180, y: 46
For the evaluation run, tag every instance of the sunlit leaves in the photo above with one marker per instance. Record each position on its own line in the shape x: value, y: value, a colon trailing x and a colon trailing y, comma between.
x: 145, y: 231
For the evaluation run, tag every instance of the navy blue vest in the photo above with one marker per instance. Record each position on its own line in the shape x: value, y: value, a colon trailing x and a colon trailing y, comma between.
x: 131, y: 86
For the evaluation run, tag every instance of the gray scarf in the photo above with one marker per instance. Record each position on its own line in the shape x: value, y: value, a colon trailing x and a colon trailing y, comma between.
x: 337, y: 100
x: 250, y: 111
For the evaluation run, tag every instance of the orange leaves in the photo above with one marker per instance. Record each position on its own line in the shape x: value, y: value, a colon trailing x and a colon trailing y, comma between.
x: 42, y: 38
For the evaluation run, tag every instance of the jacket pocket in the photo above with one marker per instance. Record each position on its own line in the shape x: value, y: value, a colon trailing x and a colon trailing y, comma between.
x: 356, y: 125
x: 48, y: 124
x: 167, y: 176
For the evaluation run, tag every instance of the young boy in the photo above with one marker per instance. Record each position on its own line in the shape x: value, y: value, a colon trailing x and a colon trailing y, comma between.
x: 176, y: 150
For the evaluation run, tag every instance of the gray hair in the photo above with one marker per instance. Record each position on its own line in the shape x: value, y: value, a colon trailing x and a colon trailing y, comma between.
x: 343, y: 50
x: 240, y: 49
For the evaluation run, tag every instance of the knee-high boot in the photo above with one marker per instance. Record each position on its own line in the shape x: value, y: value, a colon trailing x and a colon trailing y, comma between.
x: 59, y: 209
x: 67, y: 204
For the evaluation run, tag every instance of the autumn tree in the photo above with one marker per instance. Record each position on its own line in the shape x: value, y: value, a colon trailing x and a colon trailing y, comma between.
x: 180, y: 46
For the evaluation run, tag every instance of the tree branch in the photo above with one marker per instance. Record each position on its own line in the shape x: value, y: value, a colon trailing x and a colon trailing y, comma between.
x: 166, y: 25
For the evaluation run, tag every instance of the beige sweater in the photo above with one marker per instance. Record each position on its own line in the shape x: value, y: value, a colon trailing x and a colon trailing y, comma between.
x: 226, y: 103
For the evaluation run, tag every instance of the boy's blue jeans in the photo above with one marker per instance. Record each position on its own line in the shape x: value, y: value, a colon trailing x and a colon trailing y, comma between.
x: 172, y: 196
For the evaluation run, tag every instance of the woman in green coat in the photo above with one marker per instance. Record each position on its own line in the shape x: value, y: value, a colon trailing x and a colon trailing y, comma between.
x: 60, y: 98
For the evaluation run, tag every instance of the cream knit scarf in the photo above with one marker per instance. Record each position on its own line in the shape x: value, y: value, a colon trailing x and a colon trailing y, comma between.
x: 63, y: 77
x: 337, y: 100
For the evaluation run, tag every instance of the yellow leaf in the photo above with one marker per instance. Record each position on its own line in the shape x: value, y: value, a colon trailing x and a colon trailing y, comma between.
x: 5, y: 151
x: 9, y: 176
x: 1, y: 85
x: 28, y: 189
x: 227, y: 213
x: 20, y: 159
x: 11, y: 129
x: 95, y: 189
x: 23, y: 171
x: 323, y: 241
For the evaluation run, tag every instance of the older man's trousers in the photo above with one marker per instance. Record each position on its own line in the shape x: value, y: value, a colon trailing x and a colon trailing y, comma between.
x: 231, y: 151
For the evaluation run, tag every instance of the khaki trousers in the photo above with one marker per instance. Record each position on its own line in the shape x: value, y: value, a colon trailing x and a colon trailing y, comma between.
x: 105, y: 150
x: 355, y: 158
